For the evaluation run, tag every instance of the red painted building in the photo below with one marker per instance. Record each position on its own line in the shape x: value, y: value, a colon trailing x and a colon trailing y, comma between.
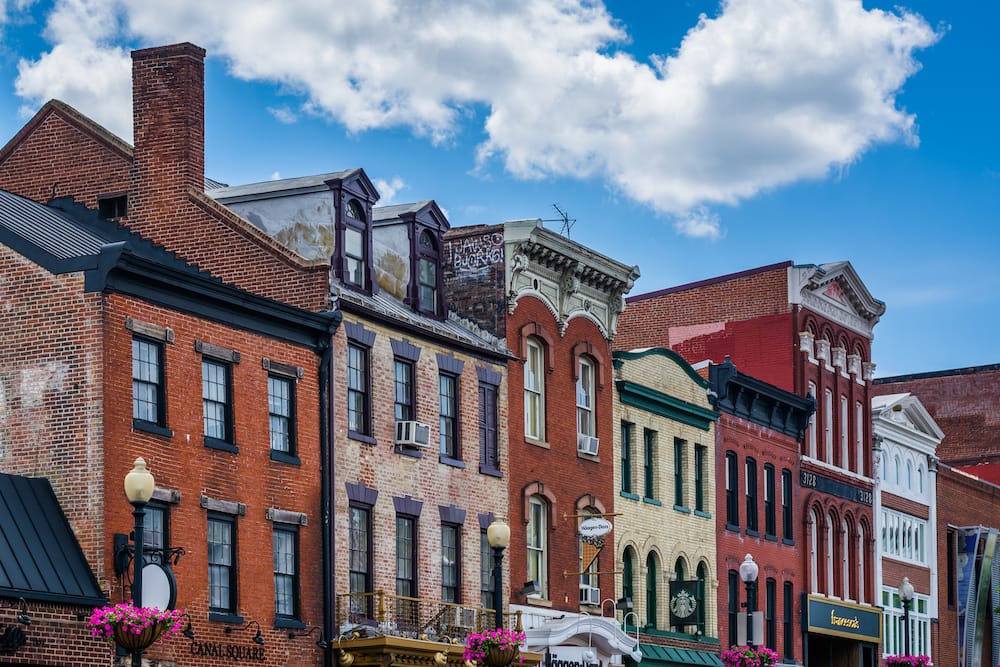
x: 806, y: 329
x: 556, y: 303
x: 758, y: 505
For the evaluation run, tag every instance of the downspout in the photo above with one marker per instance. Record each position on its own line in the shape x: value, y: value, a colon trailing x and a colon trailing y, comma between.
x: 327, y: 480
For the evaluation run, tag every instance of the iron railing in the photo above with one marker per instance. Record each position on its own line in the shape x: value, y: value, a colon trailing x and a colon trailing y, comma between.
x: 414, y: 618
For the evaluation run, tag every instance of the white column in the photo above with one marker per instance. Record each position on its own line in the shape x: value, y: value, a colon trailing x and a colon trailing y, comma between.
x: 877, y: 464
x: 933, y: 559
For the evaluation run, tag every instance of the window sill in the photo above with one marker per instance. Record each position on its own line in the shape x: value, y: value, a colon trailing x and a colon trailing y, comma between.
x: 733, y: 526
x: 787, y: 541
x: 770, y: 538
x: 288, y: 623
x: 536, y: 442
x: 538, y: 602
x: 361, y: 437
x: 630, y: 496
x: 681, y: 508
x: 595, y: 458
x: 150, y: 427
x: 703, y: 515
x: 448, y: 461
x: 283, y: 457
x: 223, y: 617
x: 406, y: 451
x: 492, y: 472
x: 753, y: 533
x: 221, y: 445
x: 652, y: 501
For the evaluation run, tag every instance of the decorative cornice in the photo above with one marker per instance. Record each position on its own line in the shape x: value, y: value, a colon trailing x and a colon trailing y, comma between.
x: 759, y: 402
x: 650, y: 400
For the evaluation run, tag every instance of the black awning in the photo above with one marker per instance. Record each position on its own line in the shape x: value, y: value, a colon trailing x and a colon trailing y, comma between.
x: 40, y: 557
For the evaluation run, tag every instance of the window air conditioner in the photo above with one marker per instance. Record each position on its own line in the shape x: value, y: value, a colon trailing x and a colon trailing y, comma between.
x: 413, y: 434
x: 590, y: 595
x: 587, y: 444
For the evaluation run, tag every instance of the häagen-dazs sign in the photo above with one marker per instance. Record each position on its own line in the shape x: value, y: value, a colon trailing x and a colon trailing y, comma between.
x: 595, y: 526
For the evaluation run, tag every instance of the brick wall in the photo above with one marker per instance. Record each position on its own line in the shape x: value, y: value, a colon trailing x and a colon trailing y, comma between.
x: 57, y: 637
x: 777, y: 559
x: 473, y: 269
x: 183, y: 463
x: 565, y: 476
x: 427, y: 479
x: 962, y: 501
x: 659, y: 527
x: 51, y: 376
x: 963, y: 403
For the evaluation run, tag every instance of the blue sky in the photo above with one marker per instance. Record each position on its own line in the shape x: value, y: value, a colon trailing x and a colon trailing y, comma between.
x: 692, y: 138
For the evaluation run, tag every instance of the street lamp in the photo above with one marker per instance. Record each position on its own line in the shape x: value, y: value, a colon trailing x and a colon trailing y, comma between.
x: 139, y: 485
x: 498, y: 535
x: 906, y: 595
x: 748, y: 573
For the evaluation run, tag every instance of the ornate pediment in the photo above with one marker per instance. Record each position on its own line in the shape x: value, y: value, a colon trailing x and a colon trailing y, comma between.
x: 835, y: 291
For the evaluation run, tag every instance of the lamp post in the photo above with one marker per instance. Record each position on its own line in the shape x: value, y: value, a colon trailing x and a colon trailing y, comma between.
x: 906, y: 595
x: 748, y: 573
x: 498, y: 536
x: 139, y: 485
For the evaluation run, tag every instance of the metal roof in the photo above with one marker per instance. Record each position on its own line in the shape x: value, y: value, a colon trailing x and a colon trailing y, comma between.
x: 40, y: 558
x: 283, y: 187
x: 48, y: 229
x: 394, y: 211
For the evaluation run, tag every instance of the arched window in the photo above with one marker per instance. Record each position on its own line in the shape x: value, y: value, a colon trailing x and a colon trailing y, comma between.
x: 702, y: 574
x: 920, y: 480
x: 628, y: 573
x: 813, y: 552
x: 538, y: 512
x: 830, y: 550
x: 534, y: 388
x: 909, y: 475
x: 862, y: 577
x: 585, y: 422
x: 896, y: 466
x: 651, y: 580
x: 427, y: 273
x: 845, y: 560
x: 679, y: 570
x: 355, y: 244
x: 812, y: 422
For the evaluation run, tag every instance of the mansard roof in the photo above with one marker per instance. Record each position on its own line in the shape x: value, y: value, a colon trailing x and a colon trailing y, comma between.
x: 426, y: 212
x: 289, y: 187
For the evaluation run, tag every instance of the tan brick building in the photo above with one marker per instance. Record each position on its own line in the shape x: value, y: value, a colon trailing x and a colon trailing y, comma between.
x: 666, y: 478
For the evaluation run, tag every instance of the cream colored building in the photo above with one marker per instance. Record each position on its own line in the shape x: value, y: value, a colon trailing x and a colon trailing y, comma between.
x: 665, y: 483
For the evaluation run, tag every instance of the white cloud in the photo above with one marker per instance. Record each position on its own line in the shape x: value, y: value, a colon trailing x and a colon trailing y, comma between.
x: 283, y: 114
x: 699, y: 223
x: 766, y: 93
x: 388, y: 189
x: 276, y: 176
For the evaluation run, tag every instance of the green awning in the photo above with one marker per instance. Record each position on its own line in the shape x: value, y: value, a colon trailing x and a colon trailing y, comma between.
x: 669, y: 656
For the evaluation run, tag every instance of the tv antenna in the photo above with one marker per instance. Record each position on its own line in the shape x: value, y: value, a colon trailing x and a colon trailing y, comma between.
x: 567, y: 222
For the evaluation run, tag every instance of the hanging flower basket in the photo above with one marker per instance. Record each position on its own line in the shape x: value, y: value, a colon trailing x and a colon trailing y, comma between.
x: 749, y: 656
x: 134, y: 628
x: 494, y: 648
x: 906, y: 661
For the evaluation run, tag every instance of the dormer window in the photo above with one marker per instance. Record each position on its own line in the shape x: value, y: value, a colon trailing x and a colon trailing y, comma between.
x: 427, y: 273
x: 354, y: 244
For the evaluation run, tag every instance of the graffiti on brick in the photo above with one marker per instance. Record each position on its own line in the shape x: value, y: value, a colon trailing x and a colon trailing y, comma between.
x: 473, y: 254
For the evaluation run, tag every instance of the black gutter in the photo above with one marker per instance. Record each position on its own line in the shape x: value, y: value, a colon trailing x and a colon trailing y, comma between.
x: 327, y: 480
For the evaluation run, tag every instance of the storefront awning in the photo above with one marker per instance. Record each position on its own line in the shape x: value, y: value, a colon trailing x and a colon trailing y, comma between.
x: 40, y: 558
x: 669, y: 656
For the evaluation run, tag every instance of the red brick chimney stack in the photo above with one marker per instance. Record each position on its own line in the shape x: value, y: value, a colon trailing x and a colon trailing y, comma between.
x: 168, y: 111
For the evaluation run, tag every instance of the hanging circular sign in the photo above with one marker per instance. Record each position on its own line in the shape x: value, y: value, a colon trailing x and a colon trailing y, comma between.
x: 595, y: 526
x: 159, y: 588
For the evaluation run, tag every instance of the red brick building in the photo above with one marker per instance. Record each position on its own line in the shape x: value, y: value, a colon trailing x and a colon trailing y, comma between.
x: 394, y: 461
x: 758, y: 505
x: 557, y: 304
x: 806, y: 329
x: 109, y: 347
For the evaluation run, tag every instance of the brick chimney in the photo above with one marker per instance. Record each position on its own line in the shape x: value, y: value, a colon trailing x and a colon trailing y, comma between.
x: 168, y: 112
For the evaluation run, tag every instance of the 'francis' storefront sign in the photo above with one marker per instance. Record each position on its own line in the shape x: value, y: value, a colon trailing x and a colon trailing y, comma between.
x: 841, y: 619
